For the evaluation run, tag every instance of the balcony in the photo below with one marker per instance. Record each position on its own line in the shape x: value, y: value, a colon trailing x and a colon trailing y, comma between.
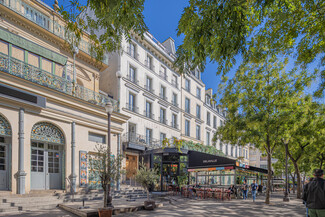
x: 133, y: 54
x: 148, y: 114
x: 174, y: 83
x: 139, y: 142
x: 149, y: 88
x: 46, y: 22
x: 175, y: 103
x: 36, y: 75
x: 163, y: 120
x: 174, y: 125
x: 163, y: 75
x: 132, y: 79
x: 132, y: 108
x: 163, y: 96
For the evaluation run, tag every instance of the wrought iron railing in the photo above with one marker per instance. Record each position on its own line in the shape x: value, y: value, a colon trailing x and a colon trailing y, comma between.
x: 174, y: 103
x: 174, y: 125
x: 148, y: 114
x: 132, y: 108
x: 163, y: 120
x: 174, y: 83
x: 132, y: 79
x: 163, y: 96
x: 44, y: 21
x: 149, y: 88
x: 163, y: 75
x: 36, y: 75
x: 141, y: 140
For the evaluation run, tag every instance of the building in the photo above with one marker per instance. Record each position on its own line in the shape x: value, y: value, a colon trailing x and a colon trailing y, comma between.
x: 51, y: 109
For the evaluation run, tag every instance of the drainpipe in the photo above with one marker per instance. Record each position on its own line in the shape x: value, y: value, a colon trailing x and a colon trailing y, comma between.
x: 118, y: 153
x: 21, y: 173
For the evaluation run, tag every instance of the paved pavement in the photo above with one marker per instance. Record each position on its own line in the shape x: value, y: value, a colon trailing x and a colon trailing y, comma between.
x: 240, y: 208
x: 206, y: 208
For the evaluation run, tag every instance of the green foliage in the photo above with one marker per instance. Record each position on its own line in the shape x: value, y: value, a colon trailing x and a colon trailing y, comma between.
x: 223, y: 31
x: 146, y: 177
x: 255, y: 99
x: 113, y: 18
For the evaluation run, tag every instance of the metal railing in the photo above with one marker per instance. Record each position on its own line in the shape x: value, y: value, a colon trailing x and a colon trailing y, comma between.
x: 149, y: 88
x: 163, y: 120
x: 149, y: 65
x: 174, y: 103
x: 163, y: 96
x: 132, y: 108
x: 141, y: 140
x: 134, y: 55
x: 148, y: 114
x: 163, y: 75
x: 46, y: 21
x: 132, y: 79
x: 174, y: 125
x: 36, y: 75
x: 174, y: 83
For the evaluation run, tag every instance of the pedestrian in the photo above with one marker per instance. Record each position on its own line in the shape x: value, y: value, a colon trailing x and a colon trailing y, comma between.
x: 304, y: 202
x: 314, y: 195
x: 245, y: 189
x: 254, y: 188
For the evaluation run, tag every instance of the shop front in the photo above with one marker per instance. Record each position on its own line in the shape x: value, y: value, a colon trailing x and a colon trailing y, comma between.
x: 186, y: 167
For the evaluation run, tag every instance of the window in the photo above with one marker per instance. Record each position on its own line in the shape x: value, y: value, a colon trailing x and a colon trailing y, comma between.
x: 208, y: 138
x: 236, y: 151
x: 174, y: 81
x: 174, y: 121
x: 197, y: 74
x: 215, y: 122
x: 187, y: 128
x: 226, y: 149
x: 208, y: 118
x: 187, y: 105
x: 163, y: 72
x: 198, y: 92
x: 174, y: 100
x: 132, y: 50
x: 149, y: 62
x: 198, y: 111
x: 162, y: 137
x: 148, y: 111
x: 207, y: 99
x: 232, y: 151
x: 149, y: 84
x: 93, y: 137
x: 163, y: 92
x: 221, y: 123
x: 162, y: 116
x: 47, y: 66
x: 132, y: 74
x: 187, y: 85
x: 198, y: 132
x: 240, y: 152
x: 148, y: 136
x: 221, y: 146
x: 131, y: 105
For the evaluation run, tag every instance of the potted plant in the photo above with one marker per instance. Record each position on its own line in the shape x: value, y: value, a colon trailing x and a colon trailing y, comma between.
x: 147, y: 177
x: 105, y: 166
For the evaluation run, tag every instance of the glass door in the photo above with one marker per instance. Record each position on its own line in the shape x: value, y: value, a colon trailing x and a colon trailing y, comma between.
x: 169, y: 175
x: 3, y: 167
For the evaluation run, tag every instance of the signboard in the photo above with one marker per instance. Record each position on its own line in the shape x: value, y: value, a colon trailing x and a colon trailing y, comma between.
x: 83, y: 168
x: 203, y: 160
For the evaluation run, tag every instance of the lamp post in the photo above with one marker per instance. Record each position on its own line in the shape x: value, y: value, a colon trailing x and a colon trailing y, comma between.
x: 109, y: 109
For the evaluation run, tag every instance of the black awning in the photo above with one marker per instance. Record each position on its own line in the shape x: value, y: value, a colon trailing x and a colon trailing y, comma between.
x: 203, y: 160
x: 257, y: 169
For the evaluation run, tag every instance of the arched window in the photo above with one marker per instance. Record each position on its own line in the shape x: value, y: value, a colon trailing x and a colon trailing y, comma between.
x: 47, y: 132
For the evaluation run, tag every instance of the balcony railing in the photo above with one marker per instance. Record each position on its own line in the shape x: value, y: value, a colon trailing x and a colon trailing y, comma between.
x: 36, y: 75
x: 163, y: 120
x: 141, y: 140
x: 134, y: 54
x: 163, y: 75
x: 174, y: 125
x: 148, y: 114
x: 132, y: 108
x: 149, y: 65
x: 149, y: 88
x: 175, y: 103
x: 46, y: 22
x: 163, y: 96
x: 132, y: 79
x: 174, y: 83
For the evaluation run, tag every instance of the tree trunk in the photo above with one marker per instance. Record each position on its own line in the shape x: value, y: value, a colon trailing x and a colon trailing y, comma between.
x: 269, y: 177
x: 148, y: 195
x: 297, y: 171
x: 105, y: 197
x: 293, y: 183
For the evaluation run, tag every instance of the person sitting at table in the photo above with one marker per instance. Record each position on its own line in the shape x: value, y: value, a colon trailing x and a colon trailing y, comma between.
x: 233, y: 190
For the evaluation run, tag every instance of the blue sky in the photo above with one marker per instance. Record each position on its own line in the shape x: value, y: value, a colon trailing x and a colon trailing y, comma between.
x: 161, y: 17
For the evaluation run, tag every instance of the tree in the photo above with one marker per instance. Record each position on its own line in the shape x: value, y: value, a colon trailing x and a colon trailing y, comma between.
x: 113, y: 19
x: 99, y: 165
x: 222, y: 31
x: 254, y: 99
x: 146, y: 177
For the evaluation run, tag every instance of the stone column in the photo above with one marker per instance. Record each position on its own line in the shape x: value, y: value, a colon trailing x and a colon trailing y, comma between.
x: 21, y: 173
x: 73, y: 175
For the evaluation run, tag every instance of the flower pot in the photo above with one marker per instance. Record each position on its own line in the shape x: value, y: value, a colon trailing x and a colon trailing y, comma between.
x: 108, y: 212
x: 149, y: 205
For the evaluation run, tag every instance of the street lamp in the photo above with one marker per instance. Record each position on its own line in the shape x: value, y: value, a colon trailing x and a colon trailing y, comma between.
x: 109, y: 109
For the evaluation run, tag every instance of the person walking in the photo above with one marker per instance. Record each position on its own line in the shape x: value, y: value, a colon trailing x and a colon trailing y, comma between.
x: 314, y: 195
x: 245, y: 189
x: 254, y: 188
